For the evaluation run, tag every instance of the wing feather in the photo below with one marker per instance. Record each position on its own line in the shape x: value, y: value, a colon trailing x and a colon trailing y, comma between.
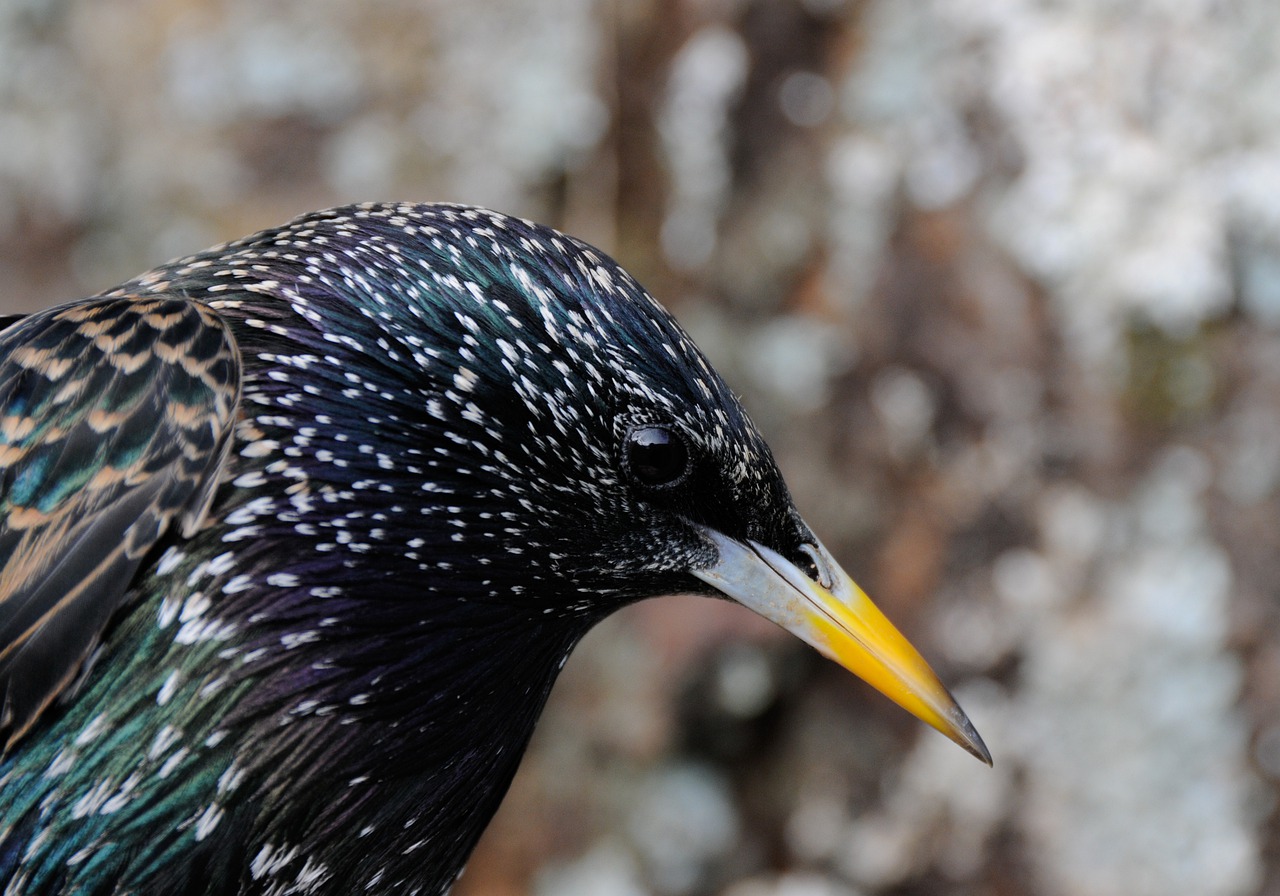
x: 116, y: 417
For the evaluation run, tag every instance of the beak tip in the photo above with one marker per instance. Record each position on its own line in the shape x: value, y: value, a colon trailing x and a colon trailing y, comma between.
x: 979, y: 749
x: 964, y: 734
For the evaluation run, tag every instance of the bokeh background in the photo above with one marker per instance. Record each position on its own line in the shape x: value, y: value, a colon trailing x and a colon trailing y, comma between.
x: 999, y: 279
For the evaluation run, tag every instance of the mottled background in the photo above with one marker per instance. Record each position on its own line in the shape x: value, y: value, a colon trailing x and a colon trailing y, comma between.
x: 1000, y: 280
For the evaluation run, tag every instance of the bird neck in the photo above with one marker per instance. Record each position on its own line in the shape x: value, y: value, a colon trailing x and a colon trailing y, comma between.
x: 354, y: 690
x: 403, y: 770
x: 375, y: 726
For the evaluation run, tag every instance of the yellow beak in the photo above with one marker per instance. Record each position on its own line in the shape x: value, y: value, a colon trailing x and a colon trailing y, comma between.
x: 834, y: 615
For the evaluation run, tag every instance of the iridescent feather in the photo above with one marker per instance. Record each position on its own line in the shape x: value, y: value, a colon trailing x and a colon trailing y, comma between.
x: 115, y: 417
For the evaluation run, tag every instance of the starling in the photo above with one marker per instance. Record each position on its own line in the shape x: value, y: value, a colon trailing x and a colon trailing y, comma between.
x: 297, y: 532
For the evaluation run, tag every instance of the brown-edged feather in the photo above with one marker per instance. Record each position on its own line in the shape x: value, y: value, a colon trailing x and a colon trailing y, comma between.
x: 116, y: 416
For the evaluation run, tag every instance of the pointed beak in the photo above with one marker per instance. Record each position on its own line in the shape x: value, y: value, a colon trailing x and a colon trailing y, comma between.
x: 833, y: 615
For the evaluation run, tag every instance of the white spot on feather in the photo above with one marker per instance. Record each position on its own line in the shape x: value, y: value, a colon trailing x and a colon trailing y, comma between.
x: 165, y: 694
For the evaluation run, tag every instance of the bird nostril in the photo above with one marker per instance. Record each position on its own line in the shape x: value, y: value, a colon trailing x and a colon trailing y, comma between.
x: 817, y: 568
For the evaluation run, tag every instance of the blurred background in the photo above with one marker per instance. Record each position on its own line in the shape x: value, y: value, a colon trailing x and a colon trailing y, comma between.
x: 1000, y: 281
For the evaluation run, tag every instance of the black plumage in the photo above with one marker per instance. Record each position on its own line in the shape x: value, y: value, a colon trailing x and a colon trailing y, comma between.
x: 297, y: 532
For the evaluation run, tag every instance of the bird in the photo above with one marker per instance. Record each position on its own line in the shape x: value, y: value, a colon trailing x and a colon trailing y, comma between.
x: 297, y: 532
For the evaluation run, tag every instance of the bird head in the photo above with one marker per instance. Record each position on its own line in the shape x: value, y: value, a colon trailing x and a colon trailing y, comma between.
x: 579, y: 440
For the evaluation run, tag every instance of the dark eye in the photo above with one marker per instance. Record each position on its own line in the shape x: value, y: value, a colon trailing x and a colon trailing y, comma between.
x: 657, y: 455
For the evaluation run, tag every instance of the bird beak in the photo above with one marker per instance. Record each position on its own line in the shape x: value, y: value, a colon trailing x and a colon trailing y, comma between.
x: 840, y: 621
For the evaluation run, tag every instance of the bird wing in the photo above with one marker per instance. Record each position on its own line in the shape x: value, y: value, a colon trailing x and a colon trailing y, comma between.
x: 116, y: 417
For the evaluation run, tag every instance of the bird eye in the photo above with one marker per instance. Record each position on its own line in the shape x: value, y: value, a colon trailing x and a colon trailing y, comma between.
x: 656, y: 455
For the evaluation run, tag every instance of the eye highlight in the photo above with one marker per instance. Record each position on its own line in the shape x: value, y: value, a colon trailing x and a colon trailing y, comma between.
x: 656, y: 455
